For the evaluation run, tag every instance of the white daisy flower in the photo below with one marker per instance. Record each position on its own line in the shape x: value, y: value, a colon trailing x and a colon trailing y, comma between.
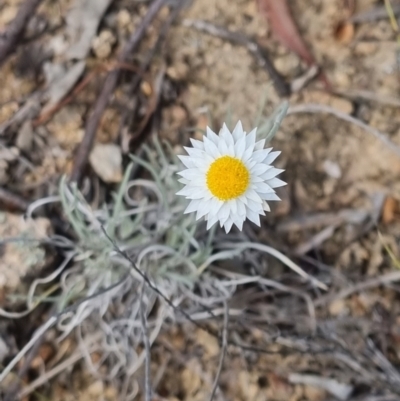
x: 229, y: 177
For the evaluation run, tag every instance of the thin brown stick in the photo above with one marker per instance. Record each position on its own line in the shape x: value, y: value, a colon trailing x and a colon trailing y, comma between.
x: 48, y: 114
x: 12, y: 201
x: 363, y: 286
x: 109, y: 85
x: 259, y: 53
x: 9, y: 38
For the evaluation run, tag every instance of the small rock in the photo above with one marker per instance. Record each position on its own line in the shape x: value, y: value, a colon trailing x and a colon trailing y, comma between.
x: 332, y: 169
x: 102, y: 44
x: 124, y: 19
x: 146, y: 88
x: 106, y: 160
x: 338, y: 307
x: 191, y: 381
x: 8, y: 13
x: 9, y: 154
x: 365, y: 48
x: 287, y: 64
x: 179, y: 71
x: 7, y: 110
x: 25, y: 136
x: 18, y: 258
x: 46, y: 351
x: 209, y: 343
x: 95, y: 389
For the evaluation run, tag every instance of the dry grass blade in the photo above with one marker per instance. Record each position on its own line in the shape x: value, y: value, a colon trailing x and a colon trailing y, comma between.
x: 143, y: 320
x: 223, y: 350
x: 366, y: 285
x: 319, y: 108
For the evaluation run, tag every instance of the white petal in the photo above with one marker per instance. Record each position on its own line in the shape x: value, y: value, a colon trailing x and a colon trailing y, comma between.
x: 251, y: 194
x: 193, y: 206
x: 197, y: 144
x: 233, y: 206
x: 243, y: 199
x: 260, y: 169
x: 240, y: 147
x: 237, y: 132
x: 228, y: 225
x: 276, y: 183
x: 263, y: 187
x: 247, y: 154
x: 224, y: 130
x: 203, y: 164
x: 196, y: 193
x: 241, y: 208
x: 266, y: 206
x: 271, y: 157
x: 187, y: 161
x: 253, y: 216
x: 238, y: 222
x: 254, y: 206
x: 203, y: 209
x: 186, y: 191
x: 228, y: 138
x: 270, y: 197
x: 224, y: 211
x: 260, y: 155
x: 195, y: 152
x: 222, y: 146
x: 212, y: 136
x: 260, y: 145
x: 211, y: 221
x: 211, y: 148
x: 191, y: 173
x: 271, y: 173
x: 216, y: 205
x: 251, y: 139
x: 184, y: 181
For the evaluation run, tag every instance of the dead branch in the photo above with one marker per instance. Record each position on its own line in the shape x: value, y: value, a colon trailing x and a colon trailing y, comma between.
x: 109, y: 85
x: 12, y: 201
x: 259, y: 53
x: 363, y: 286
x: 10, y: 37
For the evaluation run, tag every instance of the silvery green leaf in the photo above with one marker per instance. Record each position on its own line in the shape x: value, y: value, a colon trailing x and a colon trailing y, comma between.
x: 270, y: 125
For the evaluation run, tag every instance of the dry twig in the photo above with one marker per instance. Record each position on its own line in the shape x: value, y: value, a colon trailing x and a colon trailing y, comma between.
x: 254, y: 48
x: 9, y: 38
x: 366, y: 285
x: 108, y: 88
x: 12, y: 201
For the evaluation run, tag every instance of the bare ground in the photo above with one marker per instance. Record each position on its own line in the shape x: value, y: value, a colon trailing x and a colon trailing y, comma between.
x: 338, y: 217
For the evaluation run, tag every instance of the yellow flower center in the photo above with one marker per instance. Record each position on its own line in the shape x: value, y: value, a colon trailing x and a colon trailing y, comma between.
x: 227, y: 178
